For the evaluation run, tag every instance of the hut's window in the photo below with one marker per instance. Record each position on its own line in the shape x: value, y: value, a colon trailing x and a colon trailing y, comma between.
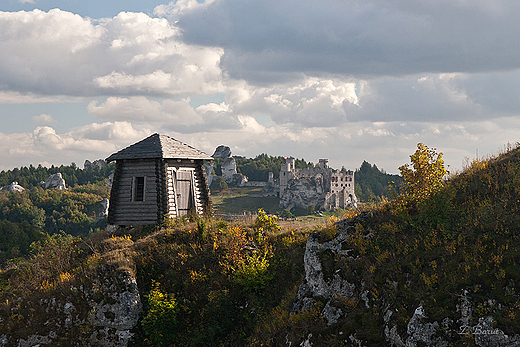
x: 138, y: 189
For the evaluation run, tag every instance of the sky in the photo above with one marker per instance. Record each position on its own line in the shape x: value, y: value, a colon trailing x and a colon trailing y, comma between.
x: 347, y: 80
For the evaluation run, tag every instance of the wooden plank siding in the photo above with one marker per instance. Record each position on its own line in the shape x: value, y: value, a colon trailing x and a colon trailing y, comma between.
x: 128, y: 212
x: 172, y: 188
x: 178, y: 190
x: 147, y: 171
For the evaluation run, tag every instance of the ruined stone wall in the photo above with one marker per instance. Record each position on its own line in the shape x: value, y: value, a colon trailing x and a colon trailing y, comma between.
x: 328, y: 188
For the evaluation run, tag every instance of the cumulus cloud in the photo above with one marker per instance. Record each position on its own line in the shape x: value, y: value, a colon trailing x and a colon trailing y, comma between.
x: 10, y: 97
x: 351, y: 81
x: 46, y: 146
x: 44, y: 118
x: 95, y: 137
x: 320, y: 103
x: 173, y: 9
x: 311, y: 102
x: 139, y: 108
x: 129, y: 54
x: 387, y: 144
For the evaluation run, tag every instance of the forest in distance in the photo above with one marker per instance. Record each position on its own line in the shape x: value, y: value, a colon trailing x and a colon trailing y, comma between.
x: 30, y: 215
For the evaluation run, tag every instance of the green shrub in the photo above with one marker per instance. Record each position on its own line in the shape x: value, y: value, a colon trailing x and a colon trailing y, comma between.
x: 253, y: 272
x: 160, y: 323
x: 266, y: 222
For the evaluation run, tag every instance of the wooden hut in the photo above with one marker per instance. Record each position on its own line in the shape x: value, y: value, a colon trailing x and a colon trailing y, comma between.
x: 157, y: 177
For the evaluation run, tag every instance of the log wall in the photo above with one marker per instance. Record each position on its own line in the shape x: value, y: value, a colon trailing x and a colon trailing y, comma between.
x: 161, y: 196
x: 124, y: 211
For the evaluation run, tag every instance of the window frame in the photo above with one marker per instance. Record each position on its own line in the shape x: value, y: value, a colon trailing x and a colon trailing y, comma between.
x: 138, y: 189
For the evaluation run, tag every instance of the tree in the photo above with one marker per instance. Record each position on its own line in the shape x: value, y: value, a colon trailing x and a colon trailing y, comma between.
x: 219, y: 184
x: 373, y: 183
x: 160, y: 323
x: 424, y: 175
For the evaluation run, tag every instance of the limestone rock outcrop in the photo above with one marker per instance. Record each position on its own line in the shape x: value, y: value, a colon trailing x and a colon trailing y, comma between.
x: 229, y: 169
x: 110, y: 180
x: 209, y: 169
x: 303, y: 192
x: 54, y: 181
x: 13, y: 187
x: 322, y: 187
x: 328, y: 287
x: 100, y: 312
x: 119, y: 309
x: 102, y: 208
x: 222, y: 152
x: 100, y: 163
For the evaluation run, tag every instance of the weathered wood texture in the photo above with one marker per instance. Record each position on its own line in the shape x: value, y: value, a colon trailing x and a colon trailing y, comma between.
x: 172, y: 186
x: 114, y: 193
x: 205, y: 196
x: 125, y: 211
x: 187, y: 188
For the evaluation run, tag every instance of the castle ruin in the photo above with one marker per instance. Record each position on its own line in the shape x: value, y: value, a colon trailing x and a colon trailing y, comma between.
x: 324, y: 187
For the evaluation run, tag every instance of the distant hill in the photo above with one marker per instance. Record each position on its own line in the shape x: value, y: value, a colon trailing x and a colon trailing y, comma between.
x: 258, y: 168
x: 372, y: 183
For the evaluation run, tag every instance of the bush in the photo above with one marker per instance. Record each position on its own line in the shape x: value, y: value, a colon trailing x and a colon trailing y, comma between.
x: 160, y: 323
x: 266, y: 222
x: 253, y: 272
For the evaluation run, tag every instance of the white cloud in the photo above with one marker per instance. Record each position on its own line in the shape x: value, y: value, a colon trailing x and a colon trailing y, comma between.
x: 44, y: 118
x: 352, y: 81
x: 309, y: 102
x: 15, y: 146
x: 134, y: 108
x: 139, y: 108
x: 45, y: 137
x: 46, y: 146
x: 131, y: 53
x: 250, y: 125
x: 10, y: 97
x: 387, y: 144
x: 173, y: 9
x: 154, y: 82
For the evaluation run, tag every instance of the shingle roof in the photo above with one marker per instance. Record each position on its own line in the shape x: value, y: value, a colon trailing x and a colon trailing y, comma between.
x: 159, y: 146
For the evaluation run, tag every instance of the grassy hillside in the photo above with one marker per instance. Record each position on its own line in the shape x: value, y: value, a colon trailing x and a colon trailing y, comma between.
x: 203, y: 282
x: 463, y: 237
x: 207, y: 282
x: 239, y: 199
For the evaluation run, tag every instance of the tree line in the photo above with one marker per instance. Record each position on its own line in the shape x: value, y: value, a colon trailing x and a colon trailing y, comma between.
x: 28, y: 216
x: 31, y: 176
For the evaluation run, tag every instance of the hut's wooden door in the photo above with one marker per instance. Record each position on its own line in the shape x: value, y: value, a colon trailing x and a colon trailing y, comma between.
x: 184, y: 191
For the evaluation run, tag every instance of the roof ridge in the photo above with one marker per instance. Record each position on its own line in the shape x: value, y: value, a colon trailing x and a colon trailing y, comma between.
x: 160, y: 143
x: 159, y: 146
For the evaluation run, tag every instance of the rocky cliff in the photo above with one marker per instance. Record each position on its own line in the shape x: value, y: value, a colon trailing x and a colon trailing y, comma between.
x: 325, y: 289
x: 70, y: 292
x: 438, y: 271
x: 302, y: 193
x: 100, y: 312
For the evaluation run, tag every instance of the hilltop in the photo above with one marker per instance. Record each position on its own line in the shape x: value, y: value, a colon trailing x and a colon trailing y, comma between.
x: 439, y: 271
x: 433, y: 269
